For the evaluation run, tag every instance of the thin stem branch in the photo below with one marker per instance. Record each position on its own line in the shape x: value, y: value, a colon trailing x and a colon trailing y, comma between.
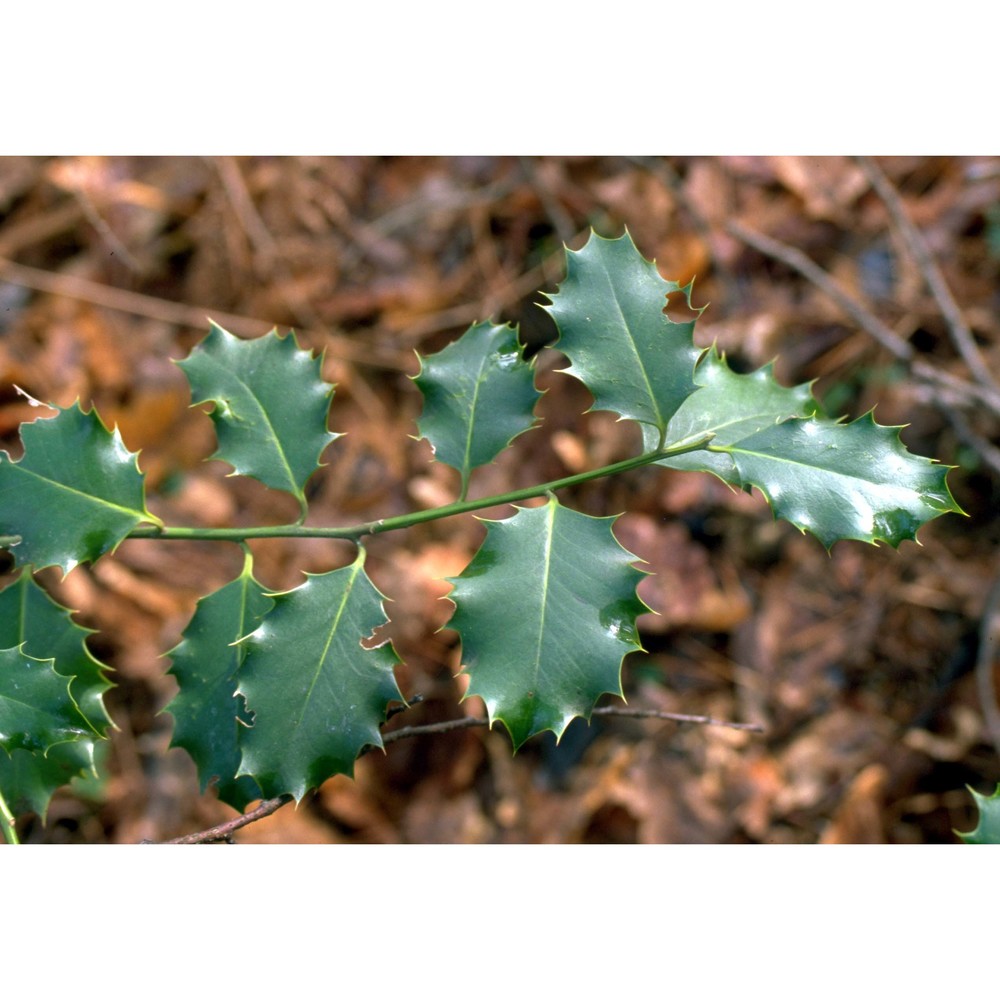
x: 357, y: 531
x: 225, y: 830
x: 701, y: 720
x: 121, y: 300
x: 469, y: 722
x: 961, y: 335
x: 953, y: 390
x: 989, y: 628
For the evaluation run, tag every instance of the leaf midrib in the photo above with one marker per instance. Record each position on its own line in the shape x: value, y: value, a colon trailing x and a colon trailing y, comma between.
x: 279, y: 447
x: 321, y: 663
x: 138, y: 515
x: 635, y: 350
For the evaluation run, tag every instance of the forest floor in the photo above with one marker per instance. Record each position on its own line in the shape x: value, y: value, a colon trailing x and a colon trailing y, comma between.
x: 864, y: 666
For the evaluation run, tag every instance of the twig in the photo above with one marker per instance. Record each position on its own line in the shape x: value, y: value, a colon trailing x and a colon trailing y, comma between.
x: 468, y: 722
x: 989, y: 627
x: 798, y: 261
x: 701, y: 720
x: 986, y: 450
x: 179, y: 314
x: 608, y: 710
x: 225, y: 830
x: 961, y: 335
x: 261, y: 240
x: 953, y: 391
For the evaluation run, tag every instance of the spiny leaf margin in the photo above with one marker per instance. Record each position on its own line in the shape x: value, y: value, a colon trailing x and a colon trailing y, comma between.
x: 270, y: 406
x: 313, y: 636
x: 75, y: 493
x: 209, y: 716
x: 609, y: 311
x: 546, y: 613
x: 843, y: 480
x: 479, y: 395
x: 987, y: 830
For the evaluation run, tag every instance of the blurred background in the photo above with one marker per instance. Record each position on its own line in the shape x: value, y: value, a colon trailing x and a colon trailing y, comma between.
x: 872, y: 671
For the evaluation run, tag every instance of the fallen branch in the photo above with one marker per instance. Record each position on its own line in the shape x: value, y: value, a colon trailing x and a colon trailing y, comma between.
x: 224, y: 831
x: 961, y: 335
x: 951, y: 391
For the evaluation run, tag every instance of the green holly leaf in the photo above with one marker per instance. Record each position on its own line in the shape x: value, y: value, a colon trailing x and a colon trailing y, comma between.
x: 36, y: 710
x: 270, y: 406
x: 732, y: 406
x: 479, y: 394
x: 74, y: 495
x: 546, y: 612
x: 208, y: 717
x: 635, y: 361
x: 29, y: 779
x: 317, y: 695
x: 837, y: 481
x: 987, y: 830
x: 46, y: 630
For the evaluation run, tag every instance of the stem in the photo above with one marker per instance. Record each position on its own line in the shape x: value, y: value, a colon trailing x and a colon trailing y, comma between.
x: 7, y: 822
x: 354, y: 532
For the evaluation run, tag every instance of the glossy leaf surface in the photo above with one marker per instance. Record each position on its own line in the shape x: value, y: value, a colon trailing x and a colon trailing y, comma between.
x: 270, y: 406
x: 987, y: 830
x: 546, y: 612
x: 732, y: 406
x: 209, y: 717
x: 843, y: 480
x: 29, y: 779
x: 29, y: 616
x: 36, y: 710
x: 317, y: 696
x: 74, y: 495
x: 479, y: 394
x: 634, y: 360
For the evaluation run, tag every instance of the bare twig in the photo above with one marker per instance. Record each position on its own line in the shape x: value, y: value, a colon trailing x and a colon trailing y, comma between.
x: 986, y: 450
x: 607, y: 710
x: 952, y: 391
x: 253, y: 225
x: 961, y: 335
x: 989, y: 632
x: 798, y: 261
x: 701, y: 720
x: 224, y: 831
x: 432, y: 728
x: 179, y: 314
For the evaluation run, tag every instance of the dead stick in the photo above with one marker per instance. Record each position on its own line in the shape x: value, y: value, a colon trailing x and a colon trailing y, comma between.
x: 177, y: 313
x: 988, y: 628
x: 954, y: 391
x: 225, y: 830
x: 961, y: 335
